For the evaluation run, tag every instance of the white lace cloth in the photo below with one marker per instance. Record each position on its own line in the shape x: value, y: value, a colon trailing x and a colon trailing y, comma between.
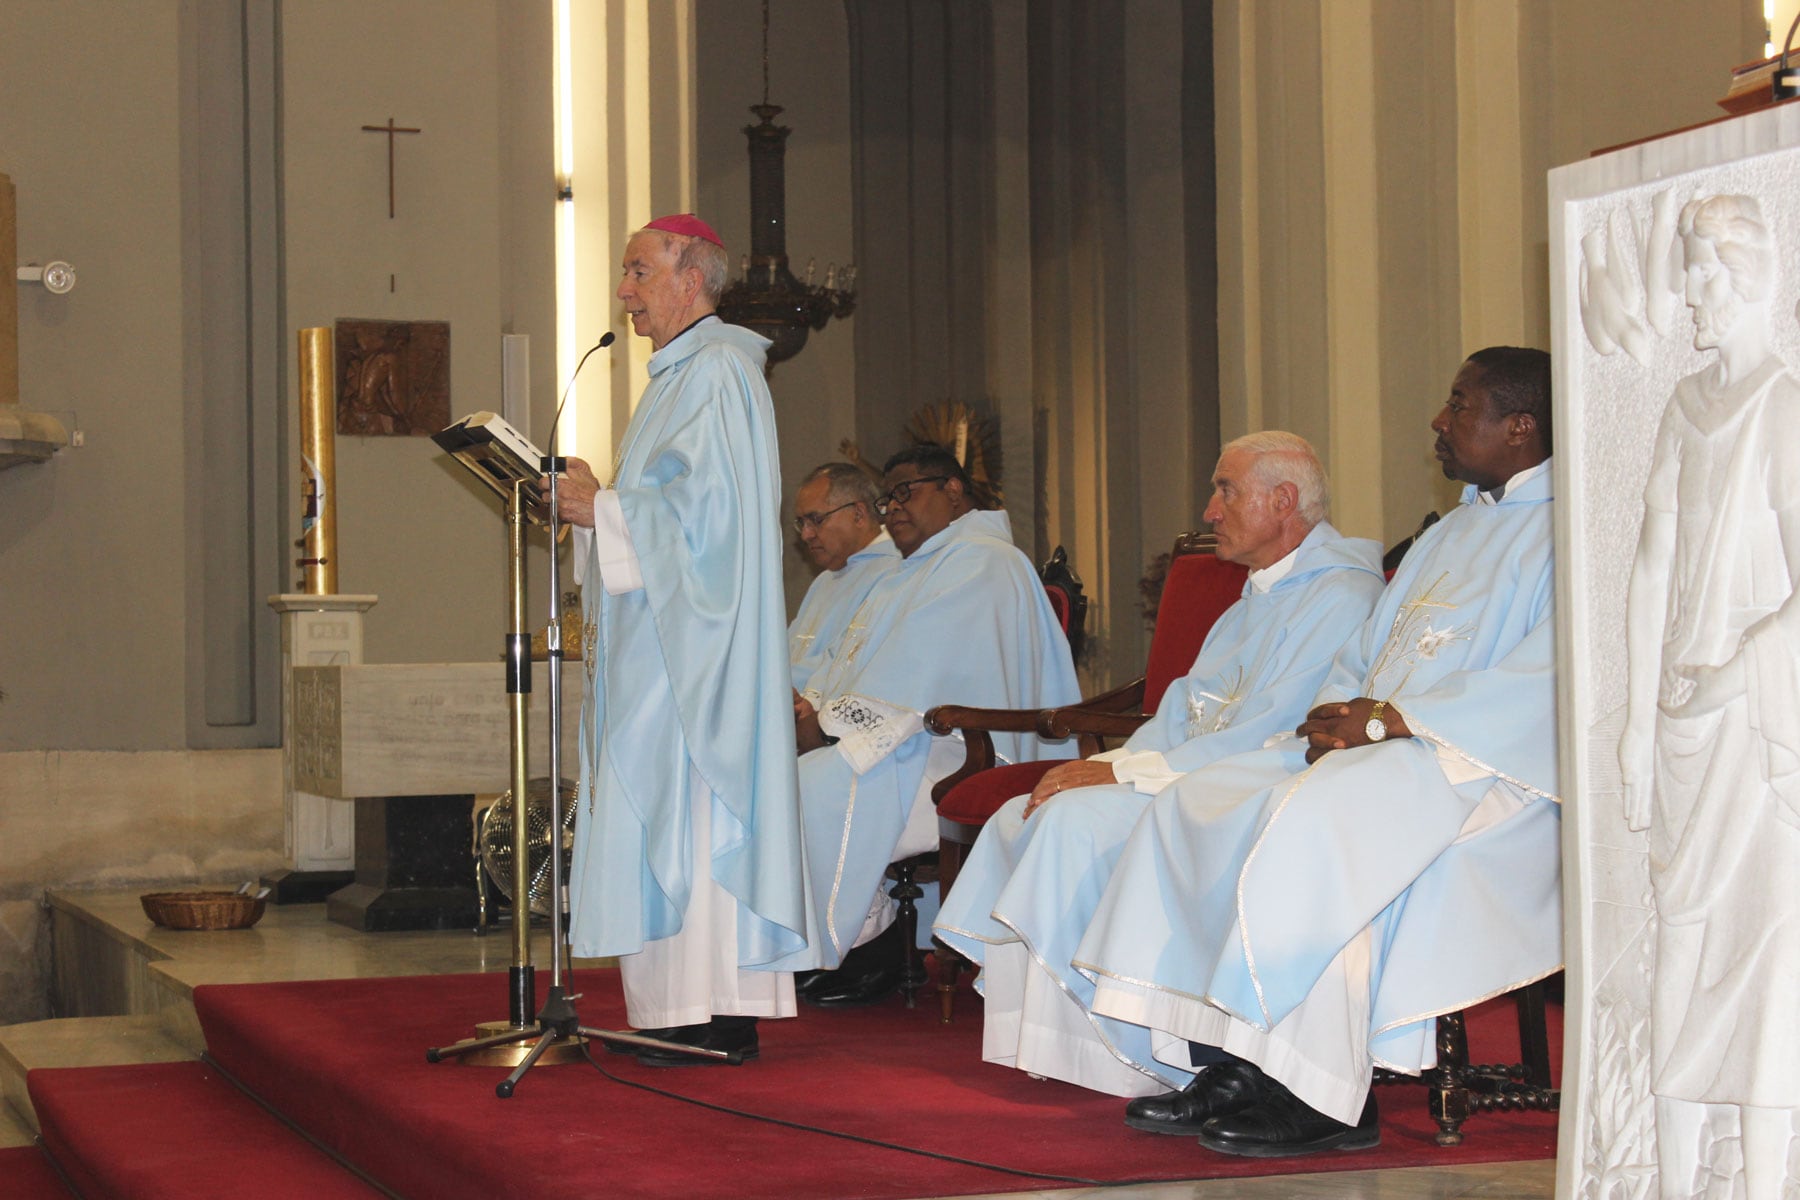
x: 867, y: 729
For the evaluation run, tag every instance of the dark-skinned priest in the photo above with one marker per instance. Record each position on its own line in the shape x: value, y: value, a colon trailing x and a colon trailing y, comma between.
x: 687, y: 849
x: 1286, y: 920
x: 1036, y: 874
x: 962, y: 620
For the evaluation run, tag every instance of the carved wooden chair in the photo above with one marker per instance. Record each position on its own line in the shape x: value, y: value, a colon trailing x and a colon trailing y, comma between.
x: 1067, y: 598
x: 1457, y: 1088
x: 1199, y: 588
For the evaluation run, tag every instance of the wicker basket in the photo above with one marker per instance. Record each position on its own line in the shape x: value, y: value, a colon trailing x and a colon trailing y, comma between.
x: 202, y: 910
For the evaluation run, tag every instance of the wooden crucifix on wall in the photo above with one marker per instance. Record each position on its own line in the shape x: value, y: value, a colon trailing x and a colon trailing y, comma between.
x: 390, y: 129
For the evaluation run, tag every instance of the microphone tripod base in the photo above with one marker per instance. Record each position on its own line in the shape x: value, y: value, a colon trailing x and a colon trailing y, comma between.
x: 512, y: 1048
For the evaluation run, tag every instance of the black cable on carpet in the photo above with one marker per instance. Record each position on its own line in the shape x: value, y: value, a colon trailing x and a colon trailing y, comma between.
x: 867, y: 1141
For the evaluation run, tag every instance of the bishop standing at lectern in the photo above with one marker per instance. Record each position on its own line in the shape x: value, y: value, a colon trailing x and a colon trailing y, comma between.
x: 687, y: 858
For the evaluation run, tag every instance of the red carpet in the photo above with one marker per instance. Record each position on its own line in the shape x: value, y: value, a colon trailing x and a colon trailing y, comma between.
x: 345, y: 1059
x: 175, y: 1131
x: 25, y: 1174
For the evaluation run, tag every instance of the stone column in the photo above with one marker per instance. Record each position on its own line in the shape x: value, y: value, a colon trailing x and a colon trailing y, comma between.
x: 316, y: 631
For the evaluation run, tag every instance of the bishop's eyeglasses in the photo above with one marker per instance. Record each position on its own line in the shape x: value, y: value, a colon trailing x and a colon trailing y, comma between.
x: 902, y: 492
x: 806, y: 521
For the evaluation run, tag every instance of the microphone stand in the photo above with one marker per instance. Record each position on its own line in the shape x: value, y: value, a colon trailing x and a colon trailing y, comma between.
x: 557, y: 1023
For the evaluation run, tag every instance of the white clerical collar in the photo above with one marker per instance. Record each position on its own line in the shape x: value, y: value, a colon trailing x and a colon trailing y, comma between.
x: 1499, y: 493
x: 1261, y: 581
x: 873, y: 548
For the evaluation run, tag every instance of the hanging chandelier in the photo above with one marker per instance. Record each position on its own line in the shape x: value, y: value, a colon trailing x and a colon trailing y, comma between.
x: 768, y: 298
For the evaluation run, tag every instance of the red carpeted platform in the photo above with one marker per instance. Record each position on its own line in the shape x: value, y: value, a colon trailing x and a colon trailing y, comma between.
x: 26, y: 1174
x: 176, y: 1131
x: 346, y: 1061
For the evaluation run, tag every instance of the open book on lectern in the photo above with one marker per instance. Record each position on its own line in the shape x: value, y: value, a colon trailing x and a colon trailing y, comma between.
x: 500, y: 456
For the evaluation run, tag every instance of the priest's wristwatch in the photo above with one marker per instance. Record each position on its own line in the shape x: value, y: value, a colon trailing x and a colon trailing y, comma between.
x: 1376, y: 730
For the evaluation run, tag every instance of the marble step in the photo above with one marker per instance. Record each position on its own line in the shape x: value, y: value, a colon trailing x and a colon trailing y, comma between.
x: 74, y: 1042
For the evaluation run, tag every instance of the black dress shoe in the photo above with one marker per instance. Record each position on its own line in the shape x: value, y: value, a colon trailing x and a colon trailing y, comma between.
x: 721, y: 1033
x: 857, y: 989
x: 1214, y: 1091
x: 807, y: 981
x: 1280, y: 1124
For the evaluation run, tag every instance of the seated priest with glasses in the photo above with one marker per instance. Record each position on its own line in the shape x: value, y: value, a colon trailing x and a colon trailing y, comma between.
x: 1036, y: 874
x: 962, y: 620
x: 834, y: 514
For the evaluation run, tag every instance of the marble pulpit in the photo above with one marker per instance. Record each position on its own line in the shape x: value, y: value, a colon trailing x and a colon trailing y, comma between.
x: 1675, y: 271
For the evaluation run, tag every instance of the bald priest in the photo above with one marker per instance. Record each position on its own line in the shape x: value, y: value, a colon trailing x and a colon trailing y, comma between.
x: 1037, y: 872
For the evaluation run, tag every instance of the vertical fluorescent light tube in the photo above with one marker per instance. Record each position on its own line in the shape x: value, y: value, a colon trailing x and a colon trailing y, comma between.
x: 641, y: 114
x: 568, y: 433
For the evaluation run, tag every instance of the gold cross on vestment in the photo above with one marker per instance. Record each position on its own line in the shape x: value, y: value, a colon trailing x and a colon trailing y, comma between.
x: 1413, y: 638
x: 390, y: 129
x: 853, y: 640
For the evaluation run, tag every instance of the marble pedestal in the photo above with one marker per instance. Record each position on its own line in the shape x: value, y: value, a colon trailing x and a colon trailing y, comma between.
x: 316, y: 631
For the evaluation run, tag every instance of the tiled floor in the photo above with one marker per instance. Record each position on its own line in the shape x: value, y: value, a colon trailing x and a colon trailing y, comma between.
x: 1499, y: 1181
x: 298, y: 943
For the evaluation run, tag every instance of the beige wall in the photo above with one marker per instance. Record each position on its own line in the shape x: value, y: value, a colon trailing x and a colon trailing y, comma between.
x: 412, y: 527
x: 91, y: 543
x: 1381, y: 168
x: 96, y: 783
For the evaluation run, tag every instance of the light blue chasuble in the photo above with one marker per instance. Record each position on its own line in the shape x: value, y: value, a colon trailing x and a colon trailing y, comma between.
x: 1244, y: 880
x: 831, y: 601
x: 1040, y: 880
x: 963, y: 620
x: 688, y: 676
x: 1267, y: 654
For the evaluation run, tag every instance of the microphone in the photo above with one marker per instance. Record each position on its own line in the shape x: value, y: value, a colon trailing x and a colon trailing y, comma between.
x: 552, y: 463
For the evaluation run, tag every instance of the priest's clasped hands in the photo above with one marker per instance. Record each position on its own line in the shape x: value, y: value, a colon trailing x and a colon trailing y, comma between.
x: 1341, y: 725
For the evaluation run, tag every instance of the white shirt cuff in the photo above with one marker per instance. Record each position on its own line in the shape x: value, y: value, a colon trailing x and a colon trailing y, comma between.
x: 613, y: 551
x: 1147, y: 771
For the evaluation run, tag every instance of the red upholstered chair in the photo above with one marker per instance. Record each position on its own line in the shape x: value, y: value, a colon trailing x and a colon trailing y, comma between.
x: 1198, y: 589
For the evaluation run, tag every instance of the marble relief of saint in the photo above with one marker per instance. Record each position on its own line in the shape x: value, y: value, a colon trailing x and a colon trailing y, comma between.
x: 1710, y: 755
